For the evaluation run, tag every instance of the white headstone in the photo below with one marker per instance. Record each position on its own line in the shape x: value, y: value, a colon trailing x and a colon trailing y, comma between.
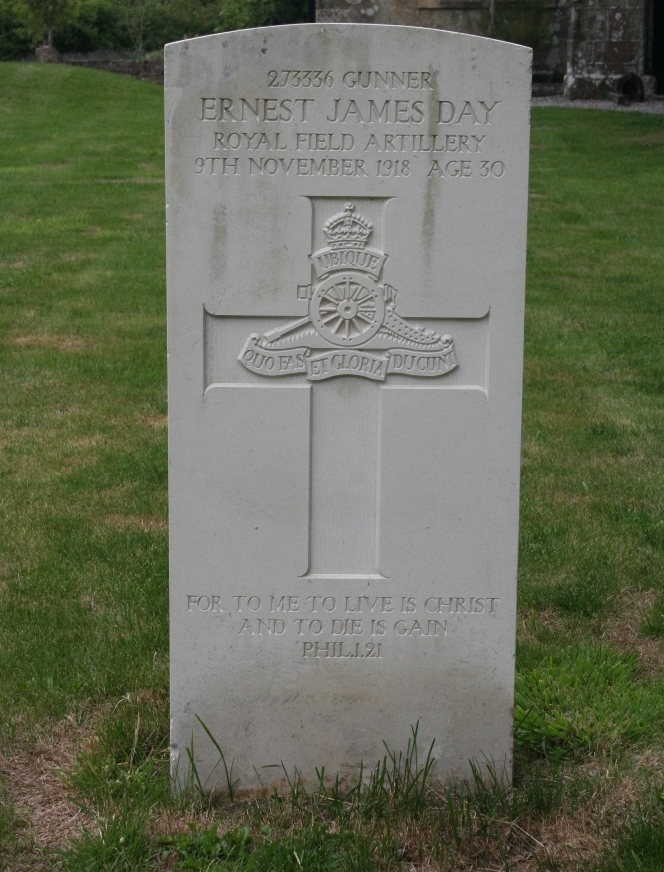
x: 346, y: 263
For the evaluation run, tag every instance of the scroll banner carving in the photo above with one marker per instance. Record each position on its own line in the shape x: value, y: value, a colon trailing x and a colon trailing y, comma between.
x: 369, y: 260
x: 353, y: 327
x: 271, y: 362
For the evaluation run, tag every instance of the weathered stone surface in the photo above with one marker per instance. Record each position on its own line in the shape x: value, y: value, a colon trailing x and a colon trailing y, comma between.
x: 47, y: 54
x: 571, y: 40
x: 346, y: 259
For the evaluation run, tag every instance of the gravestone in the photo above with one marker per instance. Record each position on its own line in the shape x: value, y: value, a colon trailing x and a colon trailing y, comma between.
x: 346, y: 259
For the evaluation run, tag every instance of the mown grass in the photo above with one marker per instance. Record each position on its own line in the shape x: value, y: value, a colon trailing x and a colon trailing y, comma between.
x: 83, y: 543
x: 83, y: 536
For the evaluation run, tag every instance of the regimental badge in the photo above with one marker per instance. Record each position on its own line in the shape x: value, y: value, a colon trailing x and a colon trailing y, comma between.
x: 353, y: 327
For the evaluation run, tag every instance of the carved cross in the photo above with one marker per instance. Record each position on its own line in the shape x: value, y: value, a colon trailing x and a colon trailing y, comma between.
x: 352, y: 337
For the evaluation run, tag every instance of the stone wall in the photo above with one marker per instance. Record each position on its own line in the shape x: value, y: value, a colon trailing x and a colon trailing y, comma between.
x: 146, y: 68
x: 467, y: 16
x: 149, y: 69
x: 609, y: 44
x: 593, y: 45
x: 538, y: 23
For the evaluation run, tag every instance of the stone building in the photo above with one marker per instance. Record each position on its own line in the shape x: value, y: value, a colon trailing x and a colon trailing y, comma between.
x: 589, y: 48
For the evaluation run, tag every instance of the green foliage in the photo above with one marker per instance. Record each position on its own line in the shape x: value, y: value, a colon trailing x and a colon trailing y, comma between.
x: 228, y: 772
x: 201, y: 847
x: 314, y: 848
x: 640, y: 844
x: 398, y: 785
x: 152, y: 23
x: 128, y: 762
x: 654, y: 623
x: 591, y: 525
x: 239, y: 14
x: 44, y: 16
x: 97, y: 25
x: 8, y: 823
x: 91, y: 25
x: 119, y: 843
x: 400, y: 782
x: 119, y: 780
x: 585, y: 699
x: 16, y: 40
x: 525, y: 22
x: 138, y: 25
x: 82, y: 362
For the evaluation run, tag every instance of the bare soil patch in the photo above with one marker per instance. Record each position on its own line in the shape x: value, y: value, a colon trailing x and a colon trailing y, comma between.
x: 143, y: 523
x: 61, y: 342
x: 31, y: 776
x: 154, y: 420
x: 623, y: 629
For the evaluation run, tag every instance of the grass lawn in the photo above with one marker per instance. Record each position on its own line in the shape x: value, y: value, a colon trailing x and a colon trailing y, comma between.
x: 83, y: 536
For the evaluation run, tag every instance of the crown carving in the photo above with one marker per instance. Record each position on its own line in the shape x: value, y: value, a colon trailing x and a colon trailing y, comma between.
x: 347, y: 229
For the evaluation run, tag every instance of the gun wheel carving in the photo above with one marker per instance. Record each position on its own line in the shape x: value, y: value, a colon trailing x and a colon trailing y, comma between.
x: 347, y: 309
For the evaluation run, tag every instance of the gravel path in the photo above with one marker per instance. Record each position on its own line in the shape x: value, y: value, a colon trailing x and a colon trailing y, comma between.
x: 654, y: 107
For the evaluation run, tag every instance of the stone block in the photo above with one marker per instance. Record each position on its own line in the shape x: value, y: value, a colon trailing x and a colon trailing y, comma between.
x: 621, y: 55
x: 48, y: 54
